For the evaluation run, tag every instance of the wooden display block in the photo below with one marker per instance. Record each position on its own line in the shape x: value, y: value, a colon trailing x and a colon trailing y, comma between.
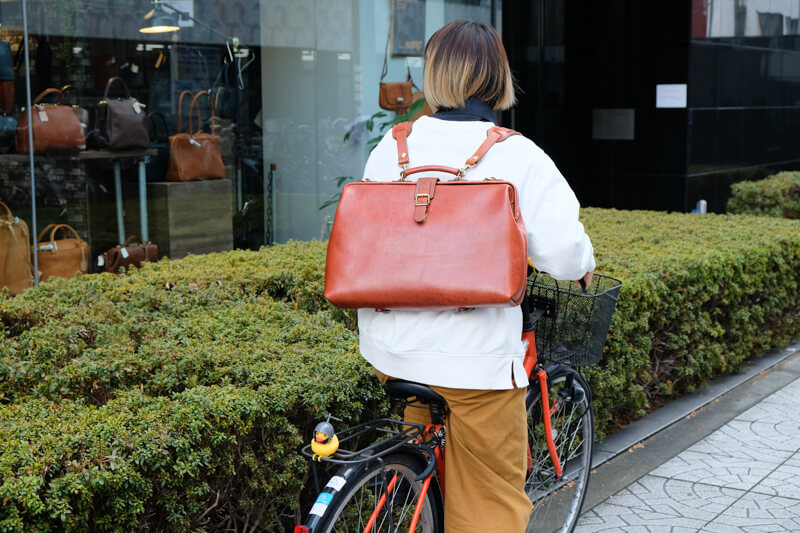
x: 194, y: 217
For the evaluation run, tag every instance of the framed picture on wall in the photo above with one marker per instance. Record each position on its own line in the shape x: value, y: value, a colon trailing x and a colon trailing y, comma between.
x: 408, y: 27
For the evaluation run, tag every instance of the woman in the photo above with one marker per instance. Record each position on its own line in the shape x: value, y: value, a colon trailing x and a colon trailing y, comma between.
x: 474, y: 359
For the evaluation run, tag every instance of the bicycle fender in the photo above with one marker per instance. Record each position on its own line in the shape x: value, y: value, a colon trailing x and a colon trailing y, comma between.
x: 329, y: 494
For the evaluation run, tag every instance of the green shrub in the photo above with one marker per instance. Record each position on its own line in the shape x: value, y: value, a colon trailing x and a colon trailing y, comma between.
x: 701, y: 294
x: 201, y: 378
x: 177, y: 397
x: 775, y: 196
x: 142, y: 462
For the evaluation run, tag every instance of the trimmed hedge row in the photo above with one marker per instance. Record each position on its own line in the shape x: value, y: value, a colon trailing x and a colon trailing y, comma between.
x: 702, y: 294
x: 209, y: 455
x: 177, y: 397
x: 776, y: 196
x: 174, y: 398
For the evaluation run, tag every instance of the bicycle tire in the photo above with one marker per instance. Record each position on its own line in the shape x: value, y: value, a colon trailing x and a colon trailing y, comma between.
x: 351, y: 511
x: 556, y: 502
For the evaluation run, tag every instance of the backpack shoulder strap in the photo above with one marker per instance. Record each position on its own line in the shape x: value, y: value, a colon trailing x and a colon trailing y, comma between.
x: 494, y: 135
x: 400, y: 132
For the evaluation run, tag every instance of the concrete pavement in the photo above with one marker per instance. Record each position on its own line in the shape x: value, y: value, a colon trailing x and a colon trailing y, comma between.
x: 730, y: 465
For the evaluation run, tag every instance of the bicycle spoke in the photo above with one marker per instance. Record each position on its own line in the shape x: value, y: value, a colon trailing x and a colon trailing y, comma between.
x: 394, y: 515
x: 406, y: 508
x: 557, y: 502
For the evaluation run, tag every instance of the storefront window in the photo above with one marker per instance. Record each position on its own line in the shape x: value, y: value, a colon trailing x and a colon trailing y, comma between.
x: 294, y: 84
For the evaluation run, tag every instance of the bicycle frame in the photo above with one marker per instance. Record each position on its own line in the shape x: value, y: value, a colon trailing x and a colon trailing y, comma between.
x: 532, y: 368
x: 531, y: 364
x: 431, y: 429
x: 534, y: 372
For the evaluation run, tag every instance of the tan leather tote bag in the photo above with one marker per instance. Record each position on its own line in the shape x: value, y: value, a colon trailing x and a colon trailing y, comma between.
x: 195, y: 155
x: 64, y: 257
x: 16, y: 271
x: 429, y: 244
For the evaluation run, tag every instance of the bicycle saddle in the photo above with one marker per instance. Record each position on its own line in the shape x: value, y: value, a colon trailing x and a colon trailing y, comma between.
x: 407, y: 389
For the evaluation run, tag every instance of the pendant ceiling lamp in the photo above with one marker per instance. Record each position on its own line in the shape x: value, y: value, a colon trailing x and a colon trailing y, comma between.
x: 157, y: 20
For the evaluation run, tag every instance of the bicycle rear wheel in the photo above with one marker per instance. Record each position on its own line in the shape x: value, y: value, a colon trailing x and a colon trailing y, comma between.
x: 354, y: 509
x: 557, y: 502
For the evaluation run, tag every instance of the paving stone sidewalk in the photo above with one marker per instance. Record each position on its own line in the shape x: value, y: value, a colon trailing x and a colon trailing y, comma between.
x: 743, y: 477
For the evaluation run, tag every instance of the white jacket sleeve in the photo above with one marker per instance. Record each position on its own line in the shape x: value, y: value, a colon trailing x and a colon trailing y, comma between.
x: 557, y: 242
x: 382, y: 162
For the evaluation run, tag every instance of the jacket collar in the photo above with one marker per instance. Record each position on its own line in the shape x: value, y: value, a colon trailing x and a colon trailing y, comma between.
x: 475, y: 109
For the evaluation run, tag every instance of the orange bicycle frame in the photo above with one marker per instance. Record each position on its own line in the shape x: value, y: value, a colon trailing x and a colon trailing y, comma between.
x: 532, y: 368
x: 439, y: 453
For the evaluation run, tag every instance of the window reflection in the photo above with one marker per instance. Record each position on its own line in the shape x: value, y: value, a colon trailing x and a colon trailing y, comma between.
x: 745, y: 18
x: 292, y: 103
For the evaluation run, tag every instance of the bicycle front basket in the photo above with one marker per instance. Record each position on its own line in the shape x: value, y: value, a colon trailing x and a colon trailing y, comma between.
x: 575, y: 325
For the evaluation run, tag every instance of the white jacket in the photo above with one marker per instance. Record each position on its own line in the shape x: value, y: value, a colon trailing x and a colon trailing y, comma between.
x: 482, y: 348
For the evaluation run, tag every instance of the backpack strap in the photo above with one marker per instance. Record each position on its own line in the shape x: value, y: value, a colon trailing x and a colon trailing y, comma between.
x: 401, y: 131
x: 494, y: 135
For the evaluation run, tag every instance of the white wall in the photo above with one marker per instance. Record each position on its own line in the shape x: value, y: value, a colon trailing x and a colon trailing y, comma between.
x: 321, y: 62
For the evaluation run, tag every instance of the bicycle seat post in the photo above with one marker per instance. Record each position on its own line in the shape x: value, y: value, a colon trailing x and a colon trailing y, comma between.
x: 400, y: 391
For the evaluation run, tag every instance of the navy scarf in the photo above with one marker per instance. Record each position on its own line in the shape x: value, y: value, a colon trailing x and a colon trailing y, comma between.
x: 475, y: 109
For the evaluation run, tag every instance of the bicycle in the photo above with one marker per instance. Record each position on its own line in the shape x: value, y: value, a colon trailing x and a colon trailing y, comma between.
x: 395, y: 482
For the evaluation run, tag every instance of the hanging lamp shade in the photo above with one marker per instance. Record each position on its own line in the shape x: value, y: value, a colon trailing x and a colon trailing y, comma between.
x: 157, y: 20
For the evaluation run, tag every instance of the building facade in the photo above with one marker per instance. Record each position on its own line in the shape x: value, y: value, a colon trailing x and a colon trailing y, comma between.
x: 656, y: 105
x: 650, y: 105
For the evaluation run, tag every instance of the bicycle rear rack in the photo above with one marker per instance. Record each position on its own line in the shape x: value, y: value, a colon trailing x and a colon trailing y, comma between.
x: 388, y: 435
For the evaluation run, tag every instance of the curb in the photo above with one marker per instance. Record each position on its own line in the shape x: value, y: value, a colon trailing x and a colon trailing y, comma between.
x: 662, y: 418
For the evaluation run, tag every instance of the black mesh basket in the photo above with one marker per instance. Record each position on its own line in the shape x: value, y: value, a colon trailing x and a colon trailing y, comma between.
x: 574, y: 326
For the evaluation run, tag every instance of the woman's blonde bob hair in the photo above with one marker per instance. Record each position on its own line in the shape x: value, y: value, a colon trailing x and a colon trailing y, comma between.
x: 466, y: 59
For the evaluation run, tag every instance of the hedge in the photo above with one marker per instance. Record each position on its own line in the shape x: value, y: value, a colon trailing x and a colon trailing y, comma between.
x: 702, y: 294
x: 777, y: 196
x: 174, y: 398
x: 177, y: 397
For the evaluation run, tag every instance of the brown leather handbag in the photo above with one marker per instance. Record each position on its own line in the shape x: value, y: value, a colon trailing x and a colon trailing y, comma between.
x: 7, y: 96
x: 195, y: 155
x: 64, y: 257
x: 128, y: 254
x: 121, y: 123
x: 428, y: 244
x: 55, y: 127
x: 395, y: 96
x: 16, y: 271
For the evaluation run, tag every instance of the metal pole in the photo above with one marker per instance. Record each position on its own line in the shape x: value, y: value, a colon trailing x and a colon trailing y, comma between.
x: 143, y: 223
x: 273, y: 193
x: 34, y: 228
x: 118, y: 198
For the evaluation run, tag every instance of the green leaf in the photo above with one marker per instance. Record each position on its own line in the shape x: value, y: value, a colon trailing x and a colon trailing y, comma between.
x: 333, y: 200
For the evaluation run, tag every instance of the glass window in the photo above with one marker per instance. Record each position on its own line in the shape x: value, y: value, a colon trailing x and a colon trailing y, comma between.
x: 293, y: 86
